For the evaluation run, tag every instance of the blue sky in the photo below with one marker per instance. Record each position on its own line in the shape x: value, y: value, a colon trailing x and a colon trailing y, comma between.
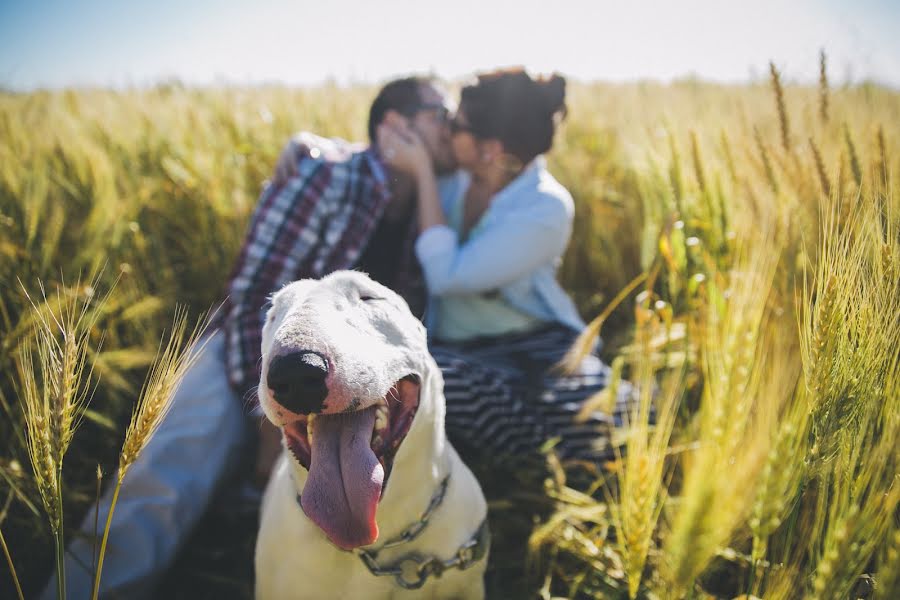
x: 135, y: 42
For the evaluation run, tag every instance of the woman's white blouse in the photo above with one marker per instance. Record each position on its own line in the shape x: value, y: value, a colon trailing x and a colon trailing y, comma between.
x: 502, y: 278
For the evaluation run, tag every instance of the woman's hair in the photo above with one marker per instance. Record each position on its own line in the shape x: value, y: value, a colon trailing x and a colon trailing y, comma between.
x: 508, y: 105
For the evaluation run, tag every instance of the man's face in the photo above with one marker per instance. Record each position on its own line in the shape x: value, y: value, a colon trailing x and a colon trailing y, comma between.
x: 432, y: 124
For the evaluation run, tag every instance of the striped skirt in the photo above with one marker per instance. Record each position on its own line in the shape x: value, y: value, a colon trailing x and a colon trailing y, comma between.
x: 503, y: 398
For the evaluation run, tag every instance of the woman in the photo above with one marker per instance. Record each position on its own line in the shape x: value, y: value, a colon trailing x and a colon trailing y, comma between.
x: 498, y: 318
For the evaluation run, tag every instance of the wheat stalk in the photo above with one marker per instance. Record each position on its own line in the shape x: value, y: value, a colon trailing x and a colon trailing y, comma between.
x: 676, y: 178
x: 888, y: 580
x: 729, y: 158
x: 861, y: 517
x: 888, y: 263
x: 820, y: 168
x: 767, y: 162
x: 882, y: 167
x: 698, y: 162
x: 823, y: 88
x: 53, y: 400
x: 850, y: 354
x: 172, y: 363
x: 854, y: 158
x: 728, y: 447
x: 642, y: 477
x: 782, y: 109
x: 780, y: 477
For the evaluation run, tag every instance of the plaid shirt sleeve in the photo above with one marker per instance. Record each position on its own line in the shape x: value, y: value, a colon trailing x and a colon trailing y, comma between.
x: 282, y: 235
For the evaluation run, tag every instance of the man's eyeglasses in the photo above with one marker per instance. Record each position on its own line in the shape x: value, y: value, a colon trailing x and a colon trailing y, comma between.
x: 441, y: 112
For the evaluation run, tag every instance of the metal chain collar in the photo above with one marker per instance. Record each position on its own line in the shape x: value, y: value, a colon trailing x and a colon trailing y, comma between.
x: 413, y: 570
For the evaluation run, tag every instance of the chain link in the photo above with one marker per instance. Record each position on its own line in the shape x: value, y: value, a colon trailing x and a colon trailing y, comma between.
x: 413, y: 570
x: 413, y: 531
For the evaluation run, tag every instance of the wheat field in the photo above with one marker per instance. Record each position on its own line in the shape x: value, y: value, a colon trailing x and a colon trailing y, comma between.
x: 737, y: 246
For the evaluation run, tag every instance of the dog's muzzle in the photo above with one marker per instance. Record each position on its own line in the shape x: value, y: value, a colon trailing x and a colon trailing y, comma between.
x: 298, y: 381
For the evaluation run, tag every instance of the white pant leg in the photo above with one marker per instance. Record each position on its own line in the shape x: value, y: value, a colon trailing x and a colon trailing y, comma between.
x: 167, y: 488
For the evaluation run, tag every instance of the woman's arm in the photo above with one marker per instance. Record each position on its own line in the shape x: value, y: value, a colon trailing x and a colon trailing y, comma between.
x: 504, y: 251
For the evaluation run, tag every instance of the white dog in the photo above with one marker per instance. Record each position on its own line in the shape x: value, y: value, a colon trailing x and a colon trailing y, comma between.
x: 369, y: 499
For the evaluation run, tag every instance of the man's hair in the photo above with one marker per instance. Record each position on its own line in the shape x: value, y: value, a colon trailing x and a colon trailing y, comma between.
x: 402, y: 95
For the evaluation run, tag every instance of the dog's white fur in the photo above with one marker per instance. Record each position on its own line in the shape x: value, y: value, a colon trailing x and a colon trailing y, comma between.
x: 371, y: 339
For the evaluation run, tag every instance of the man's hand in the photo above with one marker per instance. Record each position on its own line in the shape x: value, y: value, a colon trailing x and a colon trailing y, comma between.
x: 401, y: 147
x: 267, y: 452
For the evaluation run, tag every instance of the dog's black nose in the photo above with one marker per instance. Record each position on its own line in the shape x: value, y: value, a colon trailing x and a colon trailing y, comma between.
x: 298, y: 381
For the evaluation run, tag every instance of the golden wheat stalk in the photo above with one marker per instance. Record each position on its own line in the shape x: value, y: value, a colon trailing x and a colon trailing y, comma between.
x: 173, y: 361
x: 820, y: 168
x: 849, y: 329
x: 823, y: 88
x: 780, y: 477
x: 854, y: 424
x: 861, y: 516
x: 676, y: 177
x: 780, y: 105
x: 697, y: 160
x: 54, y: 397
x: 642, y: 476
x: 854, y: 157
x: 766, y: 161
x: 98, y: 491
x: 739, y: 382
x: 842, y: 174
x: 823, y: 309
x: 42, y: 444
x: 729, y: 158
x: 882, y: 167
x: 888, y: 580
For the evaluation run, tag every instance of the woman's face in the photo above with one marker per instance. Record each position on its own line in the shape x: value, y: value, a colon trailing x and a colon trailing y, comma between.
x: 465, y: 144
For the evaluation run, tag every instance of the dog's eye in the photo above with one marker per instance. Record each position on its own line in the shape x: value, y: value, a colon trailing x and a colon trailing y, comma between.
x: 368, y: 298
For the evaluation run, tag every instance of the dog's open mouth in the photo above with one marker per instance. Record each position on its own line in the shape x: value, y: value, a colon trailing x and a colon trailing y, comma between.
x: 349, y: 457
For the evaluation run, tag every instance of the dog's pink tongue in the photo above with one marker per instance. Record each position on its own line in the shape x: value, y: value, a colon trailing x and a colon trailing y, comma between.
x: 344, y: 484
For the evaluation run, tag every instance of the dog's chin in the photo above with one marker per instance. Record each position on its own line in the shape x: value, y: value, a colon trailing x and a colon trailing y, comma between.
x: 394, y: 414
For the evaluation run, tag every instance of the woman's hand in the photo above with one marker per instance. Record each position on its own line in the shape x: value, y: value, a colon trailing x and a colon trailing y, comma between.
x: 401, y: 147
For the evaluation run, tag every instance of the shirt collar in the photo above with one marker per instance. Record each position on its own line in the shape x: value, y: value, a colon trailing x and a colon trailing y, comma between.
x: 529, y: 174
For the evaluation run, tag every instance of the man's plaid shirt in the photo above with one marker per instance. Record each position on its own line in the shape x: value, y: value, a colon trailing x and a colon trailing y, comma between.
x: 314, y: 223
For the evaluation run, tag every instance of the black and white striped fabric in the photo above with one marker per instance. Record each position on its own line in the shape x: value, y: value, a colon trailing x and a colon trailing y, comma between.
x: 504, y: 399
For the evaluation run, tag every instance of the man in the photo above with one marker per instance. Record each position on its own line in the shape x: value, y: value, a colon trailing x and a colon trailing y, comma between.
x: 330, y: 206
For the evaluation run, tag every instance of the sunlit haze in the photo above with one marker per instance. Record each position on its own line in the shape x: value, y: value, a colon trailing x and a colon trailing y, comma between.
x: 99, y: 42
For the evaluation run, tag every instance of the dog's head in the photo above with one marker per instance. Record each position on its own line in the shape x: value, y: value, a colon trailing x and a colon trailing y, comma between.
x: 342, y: 365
